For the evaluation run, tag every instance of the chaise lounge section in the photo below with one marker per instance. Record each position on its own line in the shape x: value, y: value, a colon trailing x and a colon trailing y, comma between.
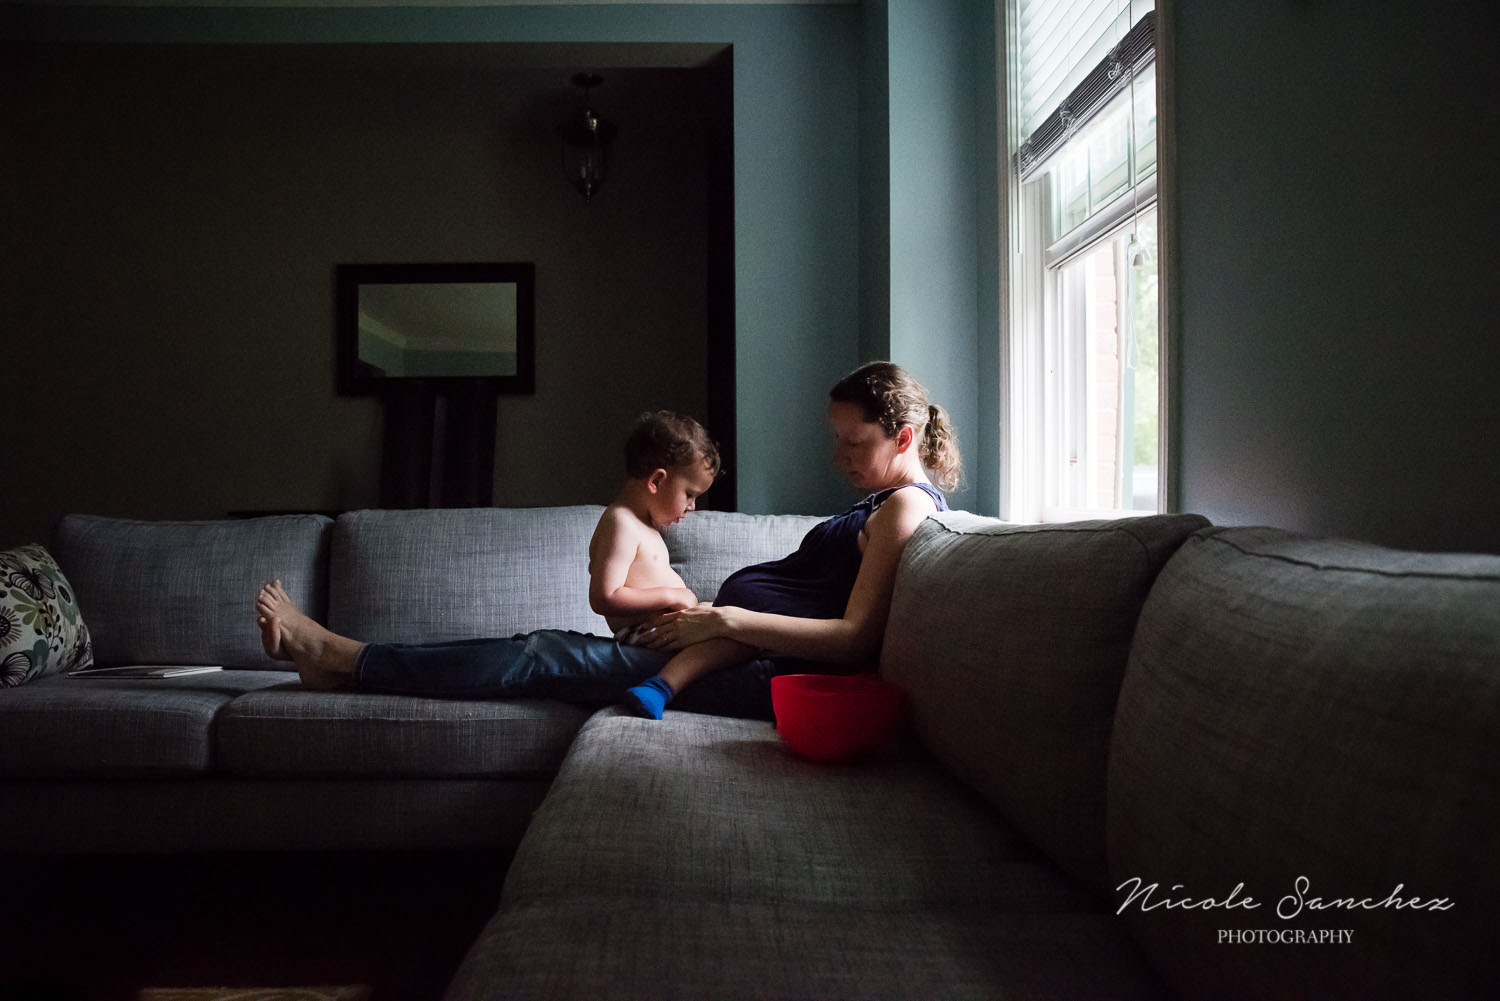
x: 1275, y: 736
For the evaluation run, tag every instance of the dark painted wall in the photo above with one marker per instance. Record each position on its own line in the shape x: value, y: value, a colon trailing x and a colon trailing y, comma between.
x: 1339, y: 331
x: 172, y: 219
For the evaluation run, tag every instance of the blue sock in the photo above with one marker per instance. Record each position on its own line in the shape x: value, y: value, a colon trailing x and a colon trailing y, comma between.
x: 649, y: 699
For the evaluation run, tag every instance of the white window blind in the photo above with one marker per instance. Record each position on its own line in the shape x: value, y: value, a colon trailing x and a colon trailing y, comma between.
x: 1061, y: 41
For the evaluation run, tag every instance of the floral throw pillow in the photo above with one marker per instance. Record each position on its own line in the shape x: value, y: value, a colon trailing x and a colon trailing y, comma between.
x: 41, y: 631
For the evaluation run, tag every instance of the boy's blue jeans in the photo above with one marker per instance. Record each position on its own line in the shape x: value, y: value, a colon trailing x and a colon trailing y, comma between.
x: 557, y: 664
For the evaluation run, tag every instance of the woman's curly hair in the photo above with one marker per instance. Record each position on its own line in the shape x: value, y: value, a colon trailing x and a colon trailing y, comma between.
x: 887, y: 395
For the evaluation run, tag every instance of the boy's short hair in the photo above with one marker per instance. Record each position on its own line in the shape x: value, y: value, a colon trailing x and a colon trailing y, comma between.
x: 662, y: 439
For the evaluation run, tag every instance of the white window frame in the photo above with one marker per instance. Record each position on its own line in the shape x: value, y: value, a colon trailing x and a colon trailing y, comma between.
x: 1035, y: 425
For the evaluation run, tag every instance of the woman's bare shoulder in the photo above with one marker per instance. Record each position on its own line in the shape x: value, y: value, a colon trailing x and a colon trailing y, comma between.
x: 901, y: 512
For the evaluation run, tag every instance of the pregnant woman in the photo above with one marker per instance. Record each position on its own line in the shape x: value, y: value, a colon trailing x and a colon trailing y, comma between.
x: 826, y: 603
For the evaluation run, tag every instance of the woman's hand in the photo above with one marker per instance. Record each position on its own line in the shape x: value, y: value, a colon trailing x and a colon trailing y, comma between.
x: 675, y: 630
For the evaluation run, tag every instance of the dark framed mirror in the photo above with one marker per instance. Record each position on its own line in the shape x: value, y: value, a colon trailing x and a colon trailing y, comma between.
x: 444, y: 324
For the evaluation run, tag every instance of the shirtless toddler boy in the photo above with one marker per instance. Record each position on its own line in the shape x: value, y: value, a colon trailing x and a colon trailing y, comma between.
x: 669, y: 462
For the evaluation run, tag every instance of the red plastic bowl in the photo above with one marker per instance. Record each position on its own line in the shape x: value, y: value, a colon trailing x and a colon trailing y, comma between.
x: 834, y: 717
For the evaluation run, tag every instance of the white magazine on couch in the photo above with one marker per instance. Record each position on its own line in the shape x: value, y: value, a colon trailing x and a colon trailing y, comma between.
x: 144, y: 671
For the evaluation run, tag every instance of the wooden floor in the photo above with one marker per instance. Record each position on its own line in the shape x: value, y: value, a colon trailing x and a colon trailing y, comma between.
x: 102, y: 929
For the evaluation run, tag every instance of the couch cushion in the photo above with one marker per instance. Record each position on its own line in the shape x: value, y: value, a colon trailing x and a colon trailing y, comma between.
x: 1304, y: 708
x: 183, y: 592
x: 763, y: 824
x: 708, y: 546
x: 697, y: 857
x: 624, y: 949
x: 214, y: 813
x: 1011, y: 642
x: 340, y: 734
x: 41, y: 630
x: 82, y: 727
x: 435, y: 575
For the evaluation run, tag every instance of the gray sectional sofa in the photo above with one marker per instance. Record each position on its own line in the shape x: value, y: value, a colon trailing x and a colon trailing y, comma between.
x: 1144, y: 759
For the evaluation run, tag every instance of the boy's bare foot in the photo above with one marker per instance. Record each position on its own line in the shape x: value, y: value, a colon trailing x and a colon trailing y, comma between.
x: 325, y: 660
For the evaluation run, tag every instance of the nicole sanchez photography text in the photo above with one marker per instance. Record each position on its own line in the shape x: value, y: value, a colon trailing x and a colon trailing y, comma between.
x: 1299, y: 902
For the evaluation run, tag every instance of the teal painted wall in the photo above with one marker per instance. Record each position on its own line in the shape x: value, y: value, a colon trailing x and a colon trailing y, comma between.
x: 934, y: 266
x: 875, y: 184
x: 796, y: 150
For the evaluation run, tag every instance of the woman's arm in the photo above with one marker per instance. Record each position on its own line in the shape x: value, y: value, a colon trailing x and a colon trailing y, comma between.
x: 853, y: 639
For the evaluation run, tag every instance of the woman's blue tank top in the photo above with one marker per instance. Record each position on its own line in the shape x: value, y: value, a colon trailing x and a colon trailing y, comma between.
x: 816, y: 580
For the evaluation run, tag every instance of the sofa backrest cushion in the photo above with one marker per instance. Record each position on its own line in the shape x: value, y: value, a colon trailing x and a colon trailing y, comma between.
x: 708, y: 546
x: 183, y: 592
x: 1011, y: 642
x: 437, y: 575
x: 1304, y: 709
x: 428, y: 576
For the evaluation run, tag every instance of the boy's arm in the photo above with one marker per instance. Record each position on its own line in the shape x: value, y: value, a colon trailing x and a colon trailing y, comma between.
x: 611, y: 556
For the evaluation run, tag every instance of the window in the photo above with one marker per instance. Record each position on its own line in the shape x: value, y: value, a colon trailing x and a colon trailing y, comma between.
x: 1085, y: 381
x: 1107, y: 397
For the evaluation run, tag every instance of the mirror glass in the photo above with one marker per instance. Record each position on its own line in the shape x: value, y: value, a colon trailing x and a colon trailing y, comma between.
x: 459, y: 329
x: 435, y: 322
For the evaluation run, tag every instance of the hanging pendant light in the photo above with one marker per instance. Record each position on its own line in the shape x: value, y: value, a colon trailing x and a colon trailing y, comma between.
x: 586, y: 139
